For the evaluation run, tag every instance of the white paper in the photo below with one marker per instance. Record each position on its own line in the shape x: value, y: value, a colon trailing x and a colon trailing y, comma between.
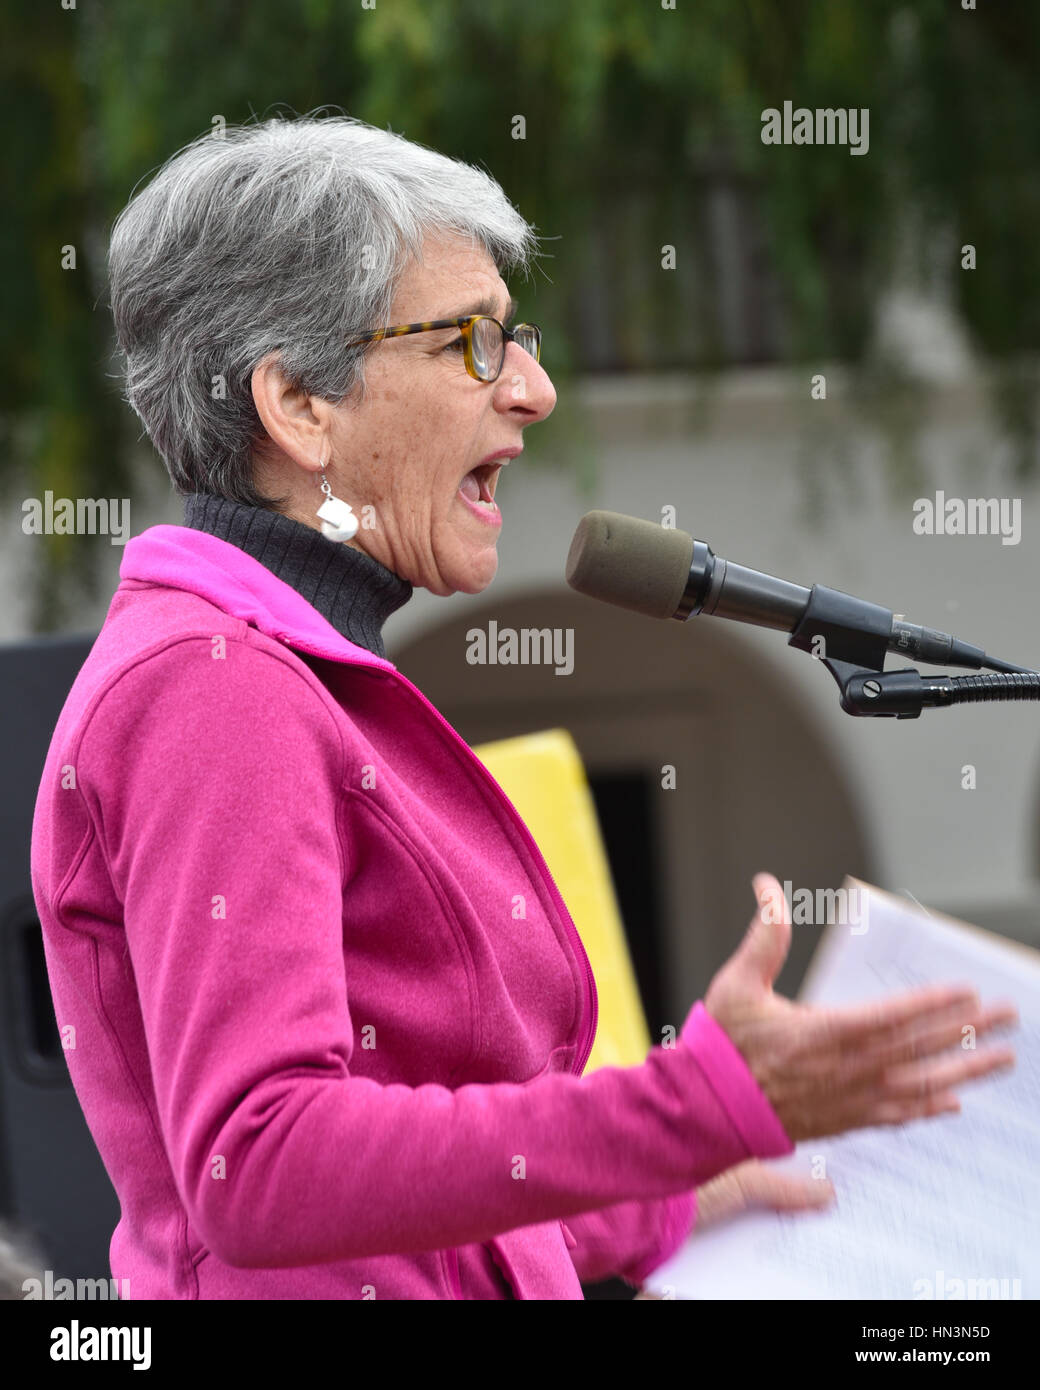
x: 941, y: 1209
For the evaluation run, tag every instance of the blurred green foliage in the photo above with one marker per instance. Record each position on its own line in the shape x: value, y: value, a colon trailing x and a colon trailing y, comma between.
x: 636, y: 116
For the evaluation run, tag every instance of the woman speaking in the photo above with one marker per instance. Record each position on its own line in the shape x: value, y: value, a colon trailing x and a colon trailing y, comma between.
x: 318, y: 1054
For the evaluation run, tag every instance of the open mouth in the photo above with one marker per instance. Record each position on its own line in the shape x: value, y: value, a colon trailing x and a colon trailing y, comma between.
x: 479, y: 484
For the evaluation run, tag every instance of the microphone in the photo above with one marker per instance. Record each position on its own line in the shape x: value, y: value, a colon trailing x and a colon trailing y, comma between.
x: 664, y: 573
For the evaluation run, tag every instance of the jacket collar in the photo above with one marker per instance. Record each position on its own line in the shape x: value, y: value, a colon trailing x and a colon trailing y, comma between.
x: 179, y: 557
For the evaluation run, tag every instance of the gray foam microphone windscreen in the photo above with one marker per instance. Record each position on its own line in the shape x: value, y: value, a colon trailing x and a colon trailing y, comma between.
x: 632, y: 563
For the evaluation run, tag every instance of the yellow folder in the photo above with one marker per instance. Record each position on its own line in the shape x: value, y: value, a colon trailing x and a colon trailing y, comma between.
x: 543, y: 776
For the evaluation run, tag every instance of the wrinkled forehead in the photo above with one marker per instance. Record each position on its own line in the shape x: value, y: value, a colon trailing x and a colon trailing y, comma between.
x: 452, y: 278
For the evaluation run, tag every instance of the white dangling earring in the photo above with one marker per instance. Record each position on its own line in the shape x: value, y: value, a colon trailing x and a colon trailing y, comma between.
x: 338, y: 521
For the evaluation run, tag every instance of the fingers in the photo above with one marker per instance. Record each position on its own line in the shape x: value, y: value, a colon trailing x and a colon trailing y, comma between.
x: 945, y: 1031
x: 784, y: 1192
x: 753, y: 1183
x: 894, y: 1112
x: 921, y: 1079
x: 761, y: 955
x: 771, y: 899
x: 892, y: 1021
x: 915, y: 1092
x: 865, y: 1094
x: 867, y: 1111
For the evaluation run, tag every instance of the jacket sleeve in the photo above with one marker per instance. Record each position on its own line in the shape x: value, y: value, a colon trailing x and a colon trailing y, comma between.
x: 631, y: 1240
x: 215, y: 786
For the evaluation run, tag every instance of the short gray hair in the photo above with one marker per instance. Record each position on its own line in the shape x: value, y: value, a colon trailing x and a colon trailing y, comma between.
x: 280, y: 237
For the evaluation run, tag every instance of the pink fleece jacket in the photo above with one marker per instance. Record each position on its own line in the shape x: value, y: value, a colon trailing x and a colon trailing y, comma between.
x: 323, y: 1006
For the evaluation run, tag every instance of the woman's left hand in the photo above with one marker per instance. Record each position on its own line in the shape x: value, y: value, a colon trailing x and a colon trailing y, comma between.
x: 754, y: 1184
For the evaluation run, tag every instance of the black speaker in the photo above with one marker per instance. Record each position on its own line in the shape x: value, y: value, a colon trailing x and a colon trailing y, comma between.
x: 53, y: 1186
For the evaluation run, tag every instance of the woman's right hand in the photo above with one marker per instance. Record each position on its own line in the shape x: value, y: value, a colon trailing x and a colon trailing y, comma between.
x: 826, y: 1070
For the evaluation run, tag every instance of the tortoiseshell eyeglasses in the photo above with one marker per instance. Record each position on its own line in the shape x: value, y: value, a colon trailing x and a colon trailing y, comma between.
x: 483, y: 340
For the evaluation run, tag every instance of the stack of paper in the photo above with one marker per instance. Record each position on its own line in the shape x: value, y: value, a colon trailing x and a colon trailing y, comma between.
x: 939, y: 1209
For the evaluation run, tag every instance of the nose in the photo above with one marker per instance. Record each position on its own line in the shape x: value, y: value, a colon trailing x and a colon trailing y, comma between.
x: 523, y: 385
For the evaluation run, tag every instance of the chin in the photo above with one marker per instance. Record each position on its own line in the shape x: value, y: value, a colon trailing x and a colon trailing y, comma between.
x: 473, y: 573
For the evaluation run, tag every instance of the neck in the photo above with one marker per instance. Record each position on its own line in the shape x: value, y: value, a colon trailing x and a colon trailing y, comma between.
x: 351, y: 590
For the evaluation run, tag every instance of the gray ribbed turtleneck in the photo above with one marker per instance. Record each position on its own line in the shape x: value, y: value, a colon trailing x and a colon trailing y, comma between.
x: 353, y: 592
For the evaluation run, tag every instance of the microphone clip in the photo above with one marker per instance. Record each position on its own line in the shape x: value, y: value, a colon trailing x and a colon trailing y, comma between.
x: 851, y: 638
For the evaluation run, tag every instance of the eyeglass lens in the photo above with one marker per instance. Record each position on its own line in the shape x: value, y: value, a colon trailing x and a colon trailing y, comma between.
x: 488, y: 345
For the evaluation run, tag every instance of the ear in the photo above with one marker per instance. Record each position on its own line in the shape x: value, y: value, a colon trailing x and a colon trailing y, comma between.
x: 297, y: 424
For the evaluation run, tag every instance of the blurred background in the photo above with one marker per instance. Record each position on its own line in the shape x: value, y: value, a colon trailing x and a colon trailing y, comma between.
x: 696, y: 287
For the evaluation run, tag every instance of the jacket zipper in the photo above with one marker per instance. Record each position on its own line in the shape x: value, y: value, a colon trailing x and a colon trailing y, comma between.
x: 386, y: 668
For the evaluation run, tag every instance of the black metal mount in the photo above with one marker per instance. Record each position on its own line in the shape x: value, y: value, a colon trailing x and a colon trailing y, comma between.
x: 850, y: 637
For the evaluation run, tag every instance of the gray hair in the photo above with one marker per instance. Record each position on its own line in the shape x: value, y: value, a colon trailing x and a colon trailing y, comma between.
x: 279, y: 236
